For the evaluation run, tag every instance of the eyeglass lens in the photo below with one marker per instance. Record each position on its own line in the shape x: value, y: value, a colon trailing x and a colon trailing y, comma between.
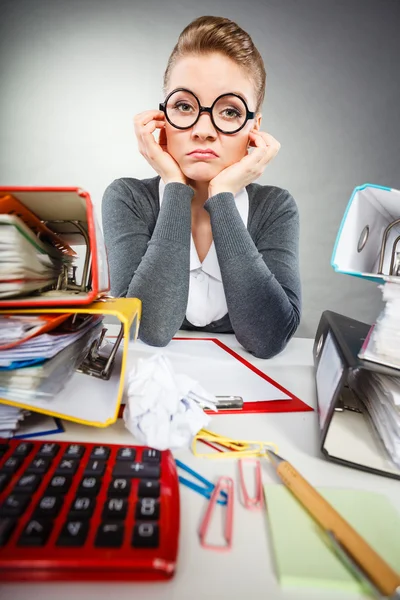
x: 229, y: 113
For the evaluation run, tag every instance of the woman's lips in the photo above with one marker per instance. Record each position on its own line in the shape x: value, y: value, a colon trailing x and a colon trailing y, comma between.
x: 203, y: 155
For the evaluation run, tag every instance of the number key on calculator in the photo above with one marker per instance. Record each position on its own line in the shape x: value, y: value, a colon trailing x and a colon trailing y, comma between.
x: 87, y: 512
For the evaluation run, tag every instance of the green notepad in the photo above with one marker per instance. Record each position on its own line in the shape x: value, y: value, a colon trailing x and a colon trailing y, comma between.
x: 304, y: 558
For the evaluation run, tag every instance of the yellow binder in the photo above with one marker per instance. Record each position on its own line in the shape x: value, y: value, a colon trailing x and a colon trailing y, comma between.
x: 92, y: 395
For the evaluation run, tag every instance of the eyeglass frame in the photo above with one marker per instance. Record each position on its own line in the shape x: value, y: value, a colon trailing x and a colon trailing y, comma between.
x: 208, y: 109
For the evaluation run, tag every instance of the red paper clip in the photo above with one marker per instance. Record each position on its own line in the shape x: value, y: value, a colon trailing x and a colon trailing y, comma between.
x: 256, y: 502
x: 223, y: 484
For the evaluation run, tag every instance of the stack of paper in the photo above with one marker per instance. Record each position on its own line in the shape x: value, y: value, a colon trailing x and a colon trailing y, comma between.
x: 26, y: 263
x: 16, y: 328
x: 383, y: 342
x: 39, y: 367
x: 381, y: 397
x: 10, y: 419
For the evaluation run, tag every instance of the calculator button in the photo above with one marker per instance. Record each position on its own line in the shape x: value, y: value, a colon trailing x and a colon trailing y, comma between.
x: 145, y: 535
x: 147, y: 508
x: 126, y: 454
x: 14, y: 505
x: 7, y: 526
x: 3, y: 449
x: 74, y: 451
x: 74, y: 533
x: 109, y: 535
x: 49, y: 506
x: 121, y: 486
x: 12, y: 464
x: 115, y: 508
x: 89, y: 485
x: 82, y: 508
x: 151, y: 456
x: 23, y: 449
x: 39, y: 465
x: 95, y: 467
x: 136, y: 469
x: 27, y: 483
x: 4, y: 479
x: 48, y: 450
x: 36, y: 532
x: 149, y: 488
x: 67, y: 466
x: 101, y: 452
x: 59, y: 484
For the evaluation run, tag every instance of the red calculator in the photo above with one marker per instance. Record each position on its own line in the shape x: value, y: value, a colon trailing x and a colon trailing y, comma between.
x: 80, y: 511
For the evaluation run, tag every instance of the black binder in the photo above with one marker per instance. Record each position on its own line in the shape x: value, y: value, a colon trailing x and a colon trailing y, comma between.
x: 347, y: 434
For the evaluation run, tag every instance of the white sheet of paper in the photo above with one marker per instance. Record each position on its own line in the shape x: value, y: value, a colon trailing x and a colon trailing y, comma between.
x: 215, y: 369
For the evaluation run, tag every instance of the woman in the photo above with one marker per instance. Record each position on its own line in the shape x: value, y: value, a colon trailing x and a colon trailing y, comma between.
x: 202, y: 245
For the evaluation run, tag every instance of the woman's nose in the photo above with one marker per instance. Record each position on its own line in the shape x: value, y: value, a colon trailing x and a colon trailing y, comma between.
x: 204, y: 127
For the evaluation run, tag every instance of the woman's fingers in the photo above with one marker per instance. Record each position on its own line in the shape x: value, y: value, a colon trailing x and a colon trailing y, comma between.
x: 145, y: 124
x: 162, y: 139
x: 144, y: 117
x: 266, y: 146
x: 155, y: 151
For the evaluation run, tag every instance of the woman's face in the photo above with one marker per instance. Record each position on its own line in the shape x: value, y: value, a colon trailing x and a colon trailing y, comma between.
x: 208, y: 77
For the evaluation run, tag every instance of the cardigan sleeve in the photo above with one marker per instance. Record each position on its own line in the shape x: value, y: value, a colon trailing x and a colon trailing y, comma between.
x: 261, y: 279
x: 153, y: 267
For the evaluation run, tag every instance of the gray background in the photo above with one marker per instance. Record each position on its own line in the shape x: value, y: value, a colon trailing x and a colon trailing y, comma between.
x: 74, y: 73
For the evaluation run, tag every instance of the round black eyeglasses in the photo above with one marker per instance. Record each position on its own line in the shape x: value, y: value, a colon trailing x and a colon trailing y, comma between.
x: 229, y: 112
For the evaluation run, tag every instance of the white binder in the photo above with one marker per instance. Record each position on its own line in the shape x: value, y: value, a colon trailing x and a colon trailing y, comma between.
x: 368, y: 241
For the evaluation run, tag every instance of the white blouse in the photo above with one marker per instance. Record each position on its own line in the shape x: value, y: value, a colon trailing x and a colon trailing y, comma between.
x: 206, y: 301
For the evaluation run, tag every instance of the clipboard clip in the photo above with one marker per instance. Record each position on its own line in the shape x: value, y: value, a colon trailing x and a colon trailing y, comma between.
x: 96, y: 364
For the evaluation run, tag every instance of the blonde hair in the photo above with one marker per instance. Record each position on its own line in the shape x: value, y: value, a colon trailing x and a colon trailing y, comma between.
x: 218, y: 34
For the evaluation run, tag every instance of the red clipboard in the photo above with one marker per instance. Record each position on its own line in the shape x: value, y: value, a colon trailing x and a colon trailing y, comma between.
x: 294, y: 404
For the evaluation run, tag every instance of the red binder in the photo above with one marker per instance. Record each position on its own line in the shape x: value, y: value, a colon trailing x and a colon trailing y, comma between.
x: 69, y: 213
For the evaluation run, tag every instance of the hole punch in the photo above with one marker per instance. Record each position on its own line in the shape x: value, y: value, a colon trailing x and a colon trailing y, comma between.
x: 363, y: 238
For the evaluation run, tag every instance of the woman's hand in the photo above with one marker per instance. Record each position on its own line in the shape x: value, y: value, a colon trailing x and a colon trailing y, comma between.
x: 156, y: 153
x: 249, y: 168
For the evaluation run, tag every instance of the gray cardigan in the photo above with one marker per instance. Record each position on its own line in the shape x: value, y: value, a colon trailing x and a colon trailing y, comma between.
x: 149, y: 257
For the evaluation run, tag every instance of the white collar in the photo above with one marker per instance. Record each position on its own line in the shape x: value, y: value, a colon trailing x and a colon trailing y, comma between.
x: 210, y: 264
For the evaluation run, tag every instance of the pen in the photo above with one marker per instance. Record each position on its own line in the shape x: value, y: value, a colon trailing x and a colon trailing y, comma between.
x: 350, y: 545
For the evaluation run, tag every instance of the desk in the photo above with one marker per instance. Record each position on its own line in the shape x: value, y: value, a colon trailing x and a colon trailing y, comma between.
x: 247, y: 572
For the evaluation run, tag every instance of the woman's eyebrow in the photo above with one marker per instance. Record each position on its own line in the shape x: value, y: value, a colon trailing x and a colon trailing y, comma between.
x: 241, y: 95
x: 222, y: 93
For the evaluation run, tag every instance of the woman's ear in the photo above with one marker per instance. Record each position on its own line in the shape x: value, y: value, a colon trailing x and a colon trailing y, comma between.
x: 257, y: 123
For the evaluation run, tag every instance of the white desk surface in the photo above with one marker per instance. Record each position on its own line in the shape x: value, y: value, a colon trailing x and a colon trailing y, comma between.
x: 247, y: 571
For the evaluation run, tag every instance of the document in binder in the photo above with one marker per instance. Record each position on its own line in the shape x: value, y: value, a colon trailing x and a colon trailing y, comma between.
x: 368, y: 241
x: 80, y: 378
x: 52, y: 252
